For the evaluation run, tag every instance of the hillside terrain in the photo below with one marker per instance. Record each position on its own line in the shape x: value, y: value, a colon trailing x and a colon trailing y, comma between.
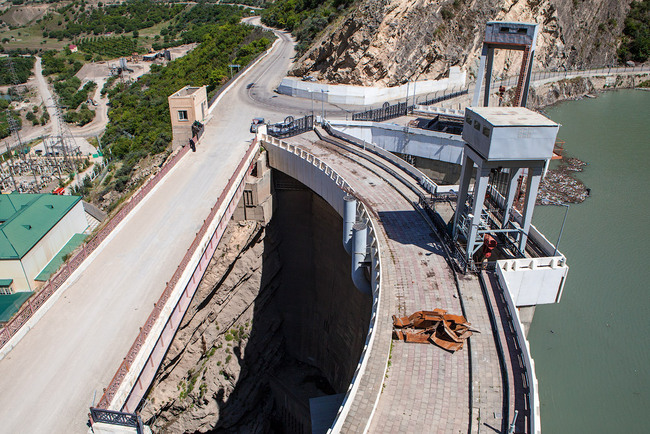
x: 393, y: 41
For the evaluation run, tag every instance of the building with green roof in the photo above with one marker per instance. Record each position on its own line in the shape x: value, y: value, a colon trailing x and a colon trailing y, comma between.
x: 33, y: 229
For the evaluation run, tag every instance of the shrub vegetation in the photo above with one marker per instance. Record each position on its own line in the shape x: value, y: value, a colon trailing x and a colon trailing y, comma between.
x: 110, y: 47
x: 304, y: 18
x: 123, y: 18
x: 636, y: 33
x: 139, y: 116
x: 22, y: 66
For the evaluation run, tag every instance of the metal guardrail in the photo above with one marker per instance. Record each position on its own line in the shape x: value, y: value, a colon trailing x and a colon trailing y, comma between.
x: 118, y: 378
x: 56, y: 281
x: 423, y: 180
x: 532, y: 410
x: 291, y: 127
x: 535, y: 77
x: 384, y: 113
x: 444, y: 97
x: 100, y: 415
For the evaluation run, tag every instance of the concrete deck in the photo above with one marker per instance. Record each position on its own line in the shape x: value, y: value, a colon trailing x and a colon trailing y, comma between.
x: 425, y: 389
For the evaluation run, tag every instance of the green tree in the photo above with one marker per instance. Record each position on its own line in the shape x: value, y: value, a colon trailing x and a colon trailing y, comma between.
x: 636, y: 33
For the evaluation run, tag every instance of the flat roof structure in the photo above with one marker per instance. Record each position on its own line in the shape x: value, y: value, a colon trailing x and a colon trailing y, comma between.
x: 186, y: 91
x: 11, y: 303
x: 513, y: 117
x: 27, y: 218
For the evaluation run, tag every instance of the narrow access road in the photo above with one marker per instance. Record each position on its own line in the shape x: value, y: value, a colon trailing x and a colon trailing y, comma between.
x: 46, y: 96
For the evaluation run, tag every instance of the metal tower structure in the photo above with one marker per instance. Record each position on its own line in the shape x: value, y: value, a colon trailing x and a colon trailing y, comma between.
x: 64, y: 142
x: 498, y: 138
x: 508, y: 36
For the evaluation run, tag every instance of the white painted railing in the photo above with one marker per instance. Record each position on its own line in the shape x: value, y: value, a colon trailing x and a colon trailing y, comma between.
x: 403, y: 139
x: 424, y: 181
x: 529, y: 364
x: 430, y: 110
x: 296, y: 162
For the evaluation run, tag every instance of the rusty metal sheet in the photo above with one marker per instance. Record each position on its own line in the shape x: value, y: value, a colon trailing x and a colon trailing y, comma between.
x: 448, y: 331
x: 401, y: 322
x: 447, y: 345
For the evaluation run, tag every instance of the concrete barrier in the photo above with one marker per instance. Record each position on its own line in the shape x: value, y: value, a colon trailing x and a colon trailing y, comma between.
x: 533, y: 281
x: 138, y: 369
x: 529, y: 364
x: 365, y: 95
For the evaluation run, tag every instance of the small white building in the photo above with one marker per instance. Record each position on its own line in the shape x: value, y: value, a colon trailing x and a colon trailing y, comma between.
x: 33, y: 229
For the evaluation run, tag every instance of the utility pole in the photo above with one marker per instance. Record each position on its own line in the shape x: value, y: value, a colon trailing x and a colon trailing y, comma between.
x: 322, y: 102
x: 407, y: 94
x: 13, y: 127
x: 566, y: 205
x: 311, y: 94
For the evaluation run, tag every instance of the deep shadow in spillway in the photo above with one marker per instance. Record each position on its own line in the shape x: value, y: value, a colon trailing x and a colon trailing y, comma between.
x: 309, y: 324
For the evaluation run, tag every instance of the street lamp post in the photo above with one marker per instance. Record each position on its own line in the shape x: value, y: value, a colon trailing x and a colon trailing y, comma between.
x: 407, y: 93
x: 563, y: 222
x: 311, y: 95
x: 415, y: 83
x: 322, y: 103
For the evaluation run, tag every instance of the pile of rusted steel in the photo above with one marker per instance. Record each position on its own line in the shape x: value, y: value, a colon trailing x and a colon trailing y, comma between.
x: 437, y: 327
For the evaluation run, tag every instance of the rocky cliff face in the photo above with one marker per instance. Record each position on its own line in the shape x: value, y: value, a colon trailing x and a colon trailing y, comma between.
x: 213, y: 377
x: 551, y: 93
x: 390, y: 42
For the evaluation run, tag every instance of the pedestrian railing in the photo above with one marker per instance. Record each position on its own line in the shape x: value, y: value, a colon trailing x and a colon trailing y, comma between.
x: 384, y: 113
x: 445, y: 96
x: 291, y: 127
x: 130, y: 420
x: 347, y: 409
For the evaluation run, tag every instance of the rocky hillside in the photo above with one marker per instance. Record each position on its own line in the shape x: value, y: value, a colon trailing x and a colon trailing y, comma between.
x: 392, y: 41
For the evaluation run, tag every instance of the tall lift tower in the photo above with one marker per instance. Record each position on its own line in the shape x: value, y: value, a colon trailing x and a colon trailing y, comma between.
x: 513, y: 138
x: 508, y: 36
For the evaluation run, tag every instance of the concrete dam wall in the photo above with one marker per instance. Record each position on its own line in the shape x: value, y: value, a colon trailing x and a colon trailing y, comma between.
x: 276, y: 321
x: 325, y: 316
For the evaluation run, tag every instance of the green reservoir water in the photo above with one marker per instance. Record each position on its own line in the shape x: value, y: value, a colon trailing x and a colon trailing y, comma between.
x: 592, y: 350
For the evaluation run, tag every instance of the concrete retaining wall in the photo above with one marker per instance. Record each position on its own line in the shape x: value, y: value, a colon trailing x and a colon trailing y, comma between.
x: 363, y: 95
x: 533, y: 281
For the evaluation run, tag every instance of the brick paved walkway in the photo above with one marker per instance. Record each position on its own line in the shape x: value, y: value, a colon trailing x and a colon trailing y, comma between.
x: 426, y: 389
